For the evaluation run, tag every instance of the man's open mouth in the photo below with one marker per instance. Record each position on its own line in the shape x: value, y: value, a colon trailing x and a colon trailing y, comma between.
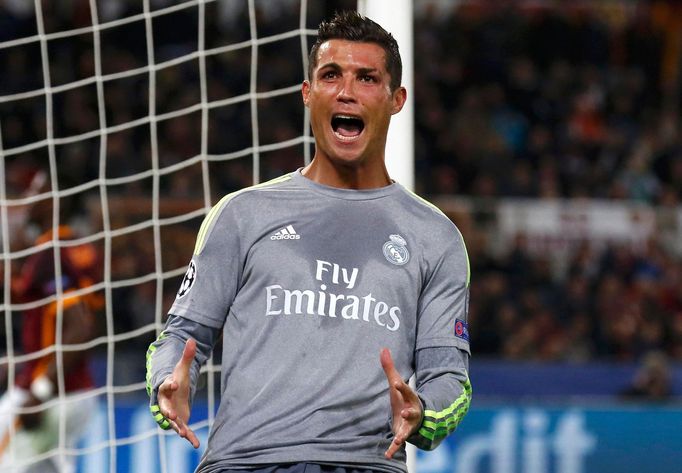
x: 347, y: 127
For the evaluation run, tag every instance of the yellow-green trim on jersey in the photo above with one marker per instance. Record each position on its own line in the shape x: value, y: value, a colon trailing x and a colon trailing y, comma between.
x: 160, y: 419
x: 432, y: 206
x: 439, y: 424
x: 148, y: 364
x: 215, y: 210
x: 155, y: 409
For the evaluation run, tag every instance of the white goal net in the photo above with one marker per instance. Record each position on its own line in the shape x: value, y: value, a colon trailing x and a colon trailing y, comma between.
x: 128, y: 119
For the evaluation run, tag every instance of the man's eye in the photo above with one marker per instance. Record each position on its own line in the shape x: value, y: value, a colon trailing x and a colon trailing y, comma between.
x: 367, y: 78
x: 329, y: 75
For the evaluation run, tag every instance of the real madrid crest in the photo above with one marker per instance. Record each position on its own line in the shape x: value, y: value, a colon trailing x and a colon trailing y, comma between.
x: 395, y: 250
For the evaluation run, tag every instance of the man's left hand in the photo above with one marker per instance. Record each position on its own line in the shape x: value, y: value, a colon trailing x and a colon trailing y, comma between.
x: 406, y: 407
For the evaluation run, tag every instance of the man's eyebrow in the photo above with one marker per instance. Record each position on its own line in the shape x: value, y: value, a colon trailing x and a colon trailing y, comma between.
x: 331, y: 65
x: 337, y: 67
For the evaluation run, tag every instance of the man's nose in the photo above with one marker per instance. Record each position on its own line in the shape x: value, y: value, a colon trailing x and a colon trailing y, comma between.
x: 346, y: 90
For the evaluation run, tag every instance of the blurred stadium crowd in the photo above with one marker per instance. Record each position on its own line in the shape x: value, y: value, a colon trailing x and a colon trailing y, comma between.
x: 570, y: 102
x: 566, y: 102
x: 543, y: 100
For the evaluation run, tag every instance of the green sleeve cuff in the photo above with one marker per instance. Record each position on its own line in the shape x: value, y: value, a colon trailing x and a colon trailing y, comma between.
x: 160, y: 419
x: 436, y: 425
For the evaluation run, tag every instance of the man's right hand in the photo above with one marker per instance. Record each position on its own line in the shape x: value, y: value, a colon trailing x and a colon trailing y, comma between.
x: 173, y: 395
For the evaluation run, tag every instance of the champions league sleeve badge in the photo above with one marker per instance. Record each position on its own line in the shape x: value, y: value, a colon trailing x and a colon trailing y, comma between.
x: 188, y: 280
x: 395, y: 250
x: 462, y: 329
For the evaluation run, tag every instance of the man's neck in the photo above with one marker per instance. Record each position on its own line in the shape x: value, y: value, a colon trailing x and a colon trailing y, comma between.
x: 347, y: 177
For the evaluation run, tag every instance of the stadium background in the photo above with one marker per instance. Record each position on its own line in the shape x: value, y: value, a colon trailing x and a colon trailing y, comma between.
x: 548, y: 131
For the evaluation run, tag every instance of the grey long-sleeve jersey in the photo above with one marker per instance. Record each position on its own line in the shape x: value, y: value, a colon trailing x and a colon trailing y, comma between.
x: 307, y: 283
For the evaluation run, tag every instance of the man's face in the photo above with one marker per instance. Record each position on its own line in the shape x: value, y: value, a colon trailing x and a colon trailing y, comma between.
x: 351, y: 102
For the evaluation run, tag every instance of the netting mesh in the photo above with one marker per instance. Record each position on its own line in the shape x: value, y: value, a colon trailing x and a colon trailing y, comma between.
x: 127, y: 121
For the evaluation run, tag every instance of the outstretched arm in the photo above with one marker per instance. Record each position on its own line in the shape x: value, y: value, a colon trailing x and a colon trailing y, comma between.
x: 441, y: 357
x: 173, y: 362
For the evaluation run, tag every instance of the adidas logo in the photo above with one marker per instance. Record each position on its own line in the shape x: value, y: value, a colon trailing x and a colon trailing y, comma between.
x: 286, y: 233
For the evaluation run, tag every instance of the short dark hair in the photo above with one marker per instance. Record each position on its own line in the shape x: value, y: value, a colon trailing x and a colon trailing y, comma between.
x: 352, y: 26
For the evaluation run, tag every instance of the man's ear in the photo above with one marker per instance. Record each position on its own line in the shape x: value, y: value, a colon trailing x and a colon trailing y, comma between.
x: 305, y: 91
x: 399, y: 98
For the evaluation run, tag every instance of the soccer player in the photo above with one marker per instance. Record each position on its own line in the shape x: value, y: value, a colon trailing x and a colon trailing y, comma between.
x: 331, y: 286
x: 29, y: 415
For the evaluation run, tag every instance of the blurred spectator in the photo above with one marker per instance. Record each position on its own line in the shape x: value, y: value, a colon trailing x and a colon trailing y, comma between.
x: 51, y: 370
x: 652, y: 381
